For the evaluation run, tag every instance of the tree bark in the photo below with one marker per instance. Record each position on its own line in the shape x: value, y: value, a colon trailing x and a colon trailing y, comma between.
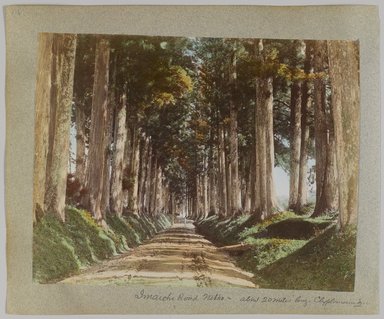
x: 105, y: 205
x: 153, y: 186
x: 127, y: 163
x: 212, y: 179
x: 265, y: 198
x: 306, y: 105
x: 120, y: 137
x: 233, y: 141
x: 64, y: 46
x: 264, y: 140
x: 256, y: 203
x: 344, y: 77
x: 261, y: 161
x: 270, y: 151
x: 320, y: 124
x: 205, y: 189
x: 295, y: 143
x: 303, y: 169
x: 134, y: 173
x: 143, y: 172
x: 80, y: 144
x: 222, y: 173
x: 42, y: 115
x: 253, y: 170
x: 199, y: 196
x: 326, y: 193
x: 158, y: 206
x: 228, y: 176
x: 99, y: 128
x: 148, y: 180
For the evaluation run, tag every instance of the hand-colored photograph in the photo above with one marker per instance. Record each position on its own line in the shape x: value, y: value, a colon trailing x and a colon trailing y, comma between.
x: 196, y: 162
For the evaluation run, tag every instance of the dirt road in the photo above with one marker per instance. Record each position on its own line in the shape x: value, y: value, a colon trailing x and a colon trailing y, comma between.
x: 175, y: 257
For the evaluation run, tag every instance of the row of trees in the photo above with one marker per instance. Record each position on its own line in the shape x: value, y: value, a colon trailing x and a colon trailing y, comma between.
x: 194, y: 124
x: 117, y: 164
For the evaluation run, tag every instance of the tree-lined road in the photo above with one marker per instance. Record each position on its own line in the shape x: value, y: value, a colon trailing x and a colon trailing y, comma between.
x: 175, y: 257
x: 165, y: 124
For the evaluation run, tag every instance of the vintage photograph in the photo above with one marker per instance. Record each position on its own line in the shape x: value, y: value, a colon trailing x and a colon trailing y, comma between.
x: 196, y: 162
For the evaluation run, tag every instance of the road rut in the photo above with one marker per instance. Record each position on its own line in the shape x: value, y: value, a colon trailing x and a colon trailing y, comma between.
x: 177, y: 256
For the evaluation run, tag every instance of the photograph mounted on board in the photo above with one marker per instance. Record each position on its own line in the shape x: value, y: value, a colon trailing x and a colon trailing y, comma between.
x: 196, y: 162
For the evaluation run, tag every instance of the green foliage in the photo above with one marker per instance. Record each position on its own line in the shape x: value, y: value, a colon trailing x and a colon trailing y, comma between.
x: 222, y: 232
x: 150, y: 69
x: 88, y: 238
x: 325, y: 263
x: 178, y: 92
x: 53, y: 252
x: 308, y: 208
x: 135, y: 229
x: 266, y: 251
x: 84, y: 67
x: 260, y: 227
x: 124, y: 227
x: 61, y: 249
x: 176, y: 83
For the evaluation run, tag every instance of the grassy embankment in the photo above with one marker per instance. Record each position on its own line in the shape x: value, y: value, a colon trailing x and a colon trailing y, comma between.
x: 289, y: 251
x: 60, y: 250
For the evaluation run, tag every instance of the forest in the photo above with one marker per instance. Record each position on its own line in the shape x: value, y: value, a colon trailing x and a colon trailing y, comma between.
x: 146, y: 140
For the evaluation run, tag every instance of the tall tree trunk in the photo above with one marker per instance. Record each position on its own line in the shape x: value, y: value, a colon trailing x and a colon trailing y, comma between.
x: 261, y: 160
x: 303, y: 169
x: 109, y: 136
x: 134, y: 173
x: 193, y: 204
x: 222, y: 173
x: 228, y: 176
x: 326, y: 194
x: 233, y: 141
x: 190, y: 204
x: 306, y: 105
x: 127, y: 163
x: 165, y: 194
x: 142, y: 172
x: 320, y: 125
x: 64, y: 46
x: 80, y: 144
x: 153, y: 186
x: 212, y: 175
x: 266, y: 201
x: 247, y: 194
x: 120, y: 137
x: 270, y: 151
x: 265, y: 198
x: 295, y: 143
x: 158, y: 206
x: 106, y: 192
x: 197, y: 196
x: 205, y: 189
x: 330, y: 193
x: 148, y: 180
x: 99, y: 130
x: 253, y: 172
x: 344, y: 77
x: 42, y: 115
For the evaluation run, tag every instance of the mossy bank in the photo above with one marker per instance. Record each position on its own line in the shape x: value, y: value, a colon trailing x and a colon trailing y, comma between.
x: 61, y: 250
x: 314, y: 257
